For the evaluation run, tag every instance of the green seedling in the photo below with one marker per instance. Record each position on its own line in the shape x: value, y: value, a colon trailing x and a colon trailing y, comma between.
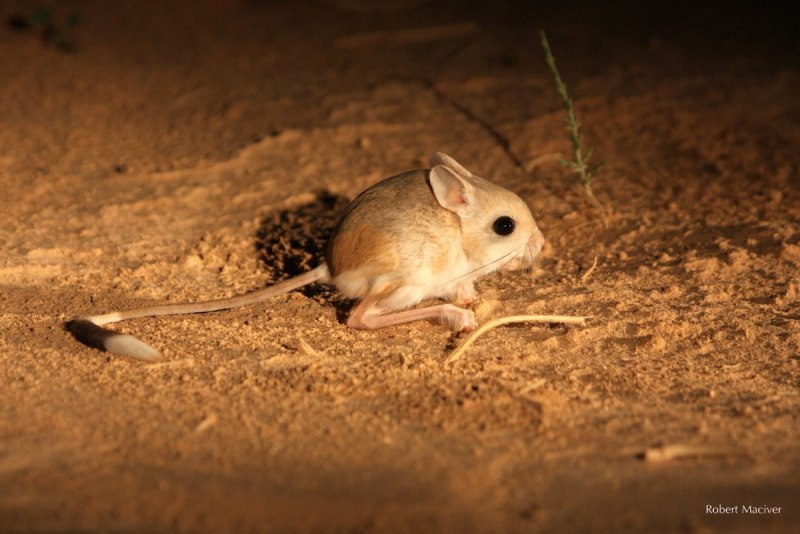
x: 580, y: 162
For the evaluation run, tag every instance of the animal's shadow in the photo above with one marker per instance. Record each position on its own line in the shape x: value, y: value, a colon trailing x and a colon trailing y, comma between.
x: 290, y: 242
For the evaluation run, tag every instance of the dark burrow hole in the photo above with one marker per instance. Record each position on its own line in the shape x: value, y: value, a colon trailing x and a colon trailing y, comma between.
x: 292, y: 241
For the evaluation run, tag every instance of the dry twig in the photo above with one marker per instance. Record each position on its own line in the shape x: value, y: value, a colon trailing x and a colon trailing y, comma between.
x: 678, y: 451
x: 588, y: 273
x: 494, y: 323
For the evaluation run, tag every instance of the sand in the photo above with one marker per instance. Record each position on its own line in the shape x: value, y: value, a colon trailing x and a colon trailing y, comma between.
x: 196, y: 150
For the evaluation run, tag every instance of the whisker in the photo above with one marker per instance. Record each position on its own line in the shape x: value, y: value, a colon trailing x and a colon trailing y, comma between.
x: 478, y: 269
x: 529, y: 255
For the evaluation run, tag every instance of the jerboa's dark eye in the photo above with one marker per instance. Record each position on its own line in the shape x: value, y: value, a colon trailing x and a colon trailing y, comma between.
x: 503, y: 225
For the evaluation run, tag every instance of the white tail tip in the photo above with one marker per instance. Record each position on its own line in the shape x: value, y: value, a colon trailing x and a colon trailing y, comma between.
x: 130, y: 346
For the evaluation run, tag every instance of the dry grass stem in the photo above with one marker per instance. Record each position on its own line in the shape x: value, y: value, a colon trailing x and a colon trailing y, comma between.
x: 678, y: 451
x: 532, y: 163
x: 494, y: 323
x: 588, y: 273
x: 304, y: 348
x: 207, y: 422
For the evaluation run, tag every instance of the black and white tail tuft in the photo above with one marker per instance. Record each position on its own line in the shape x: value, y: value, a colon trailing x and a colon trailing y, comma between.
x: 104, y: 339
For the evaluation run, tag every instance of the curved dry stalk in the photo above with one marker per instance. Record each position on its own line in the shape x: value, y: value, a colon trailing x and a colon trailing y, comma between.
x: 588, y: 273
x: 678, y: 451
x: 494, y: 323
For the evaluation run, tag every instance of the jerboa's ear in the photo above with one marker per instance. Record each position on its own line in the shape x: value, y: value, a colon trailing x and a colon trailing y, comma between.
x: 452, y: 191
x: 440, y: 158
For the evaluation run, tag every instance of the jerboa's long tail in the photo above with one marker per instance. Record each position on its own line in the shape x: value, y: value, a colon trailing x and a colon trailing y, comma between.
x: 89, y: 329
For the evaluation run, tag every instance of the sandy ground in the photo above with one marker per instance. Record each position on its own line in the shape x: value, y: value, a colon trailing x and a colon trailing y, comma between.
x: 188, y: 151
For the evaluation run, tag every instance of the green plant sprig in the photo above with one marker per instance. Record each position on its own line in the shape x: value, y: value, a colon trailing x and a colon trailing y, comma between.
x: 580, y: 163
